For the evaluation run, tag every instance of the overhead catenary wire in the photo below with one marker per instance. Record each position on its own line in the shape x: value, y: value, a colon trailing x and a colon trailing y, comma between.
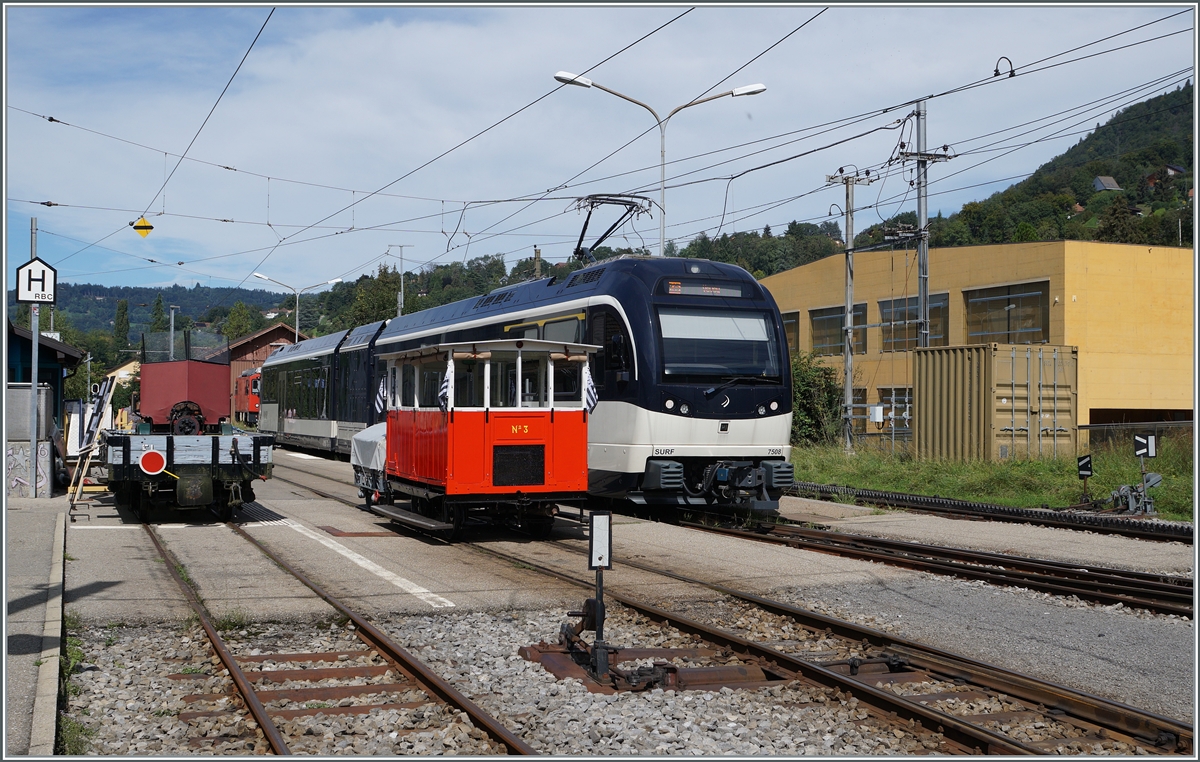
x: 478, y: 239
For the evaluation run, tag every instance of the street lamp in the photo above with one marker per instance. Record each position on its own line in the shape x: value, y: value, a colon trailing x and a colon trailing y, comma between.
x: 568, y: 78
x: 297, y: 292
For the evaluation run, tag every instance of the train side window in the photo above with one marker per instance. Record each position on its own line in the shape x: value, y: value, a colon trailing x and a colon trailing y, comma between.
x: 468, y: 383
x: 408, y: 386
x: 568, y: 381
x: 504, y: 379
x: 562, y: 330
x: 533, y: 381
x: 432, y: 374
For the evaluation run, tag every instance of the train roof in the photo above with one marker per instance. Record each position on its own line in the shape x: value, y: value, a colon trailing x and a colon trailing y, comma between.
x: 322, y: 345
x: 362, y: 336
x: 595, y: 278
x: 483, y: 349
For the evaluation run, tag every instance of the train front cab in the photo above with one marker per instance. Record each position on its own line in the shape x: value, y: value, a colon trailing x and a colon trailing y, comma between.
x: 494, y: 429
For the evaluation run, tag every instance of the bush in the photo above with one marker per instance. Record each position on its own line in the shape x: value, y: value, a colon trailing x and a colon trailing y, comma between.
x: 816, y: 401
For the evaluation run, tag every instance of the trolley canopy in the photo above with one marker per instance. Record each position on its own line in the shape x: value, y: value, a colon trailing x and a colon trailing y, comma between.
x: 481, y: 350
x: 484, y: 375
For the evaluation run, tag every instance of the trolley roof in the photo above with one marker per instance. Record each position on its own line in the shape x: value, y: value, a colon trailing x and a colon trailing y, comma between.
x: 485, y: 348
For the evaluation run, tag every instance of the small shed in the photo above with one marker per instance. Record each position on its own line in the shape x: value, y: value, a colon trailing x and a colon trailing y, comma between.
x: 250, y: 351
x: 1104, y: 182
x: 56, y: 361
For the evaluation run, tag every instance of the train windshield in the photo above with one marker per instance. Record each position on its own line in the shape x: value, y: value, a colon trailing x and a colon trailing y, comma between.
x: 706, y: 345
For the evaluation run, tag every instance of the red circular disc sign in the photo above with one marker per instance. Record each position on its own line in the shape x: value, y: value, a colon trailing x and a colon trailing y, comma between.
x: 152, y: 462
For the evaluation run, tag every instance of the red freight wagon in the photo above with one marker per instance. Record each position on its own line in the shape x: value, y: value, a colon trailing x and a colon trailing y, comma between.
x: 489, y: 429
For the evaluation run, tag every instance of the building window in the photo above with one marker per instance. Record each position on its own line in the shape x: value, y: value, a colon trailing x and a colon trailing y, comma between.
x: 791, y: 329
x: 1009, y: 314
x: 904, y: 334
x: 897, y: 406
x: 828, y: 330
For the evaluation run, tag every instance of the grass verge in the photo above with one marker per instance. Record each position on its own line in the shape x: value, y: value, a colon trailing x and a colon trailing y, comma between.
x: 1020, y: 483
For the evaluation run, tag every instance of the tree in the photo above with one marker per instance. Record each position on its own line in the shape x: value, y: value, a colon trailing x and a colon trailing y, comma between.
x: 1119, y: 225
x: 375, y: 298
x: 158, y: 316
x: 240, y: 321
x: 121, y: 324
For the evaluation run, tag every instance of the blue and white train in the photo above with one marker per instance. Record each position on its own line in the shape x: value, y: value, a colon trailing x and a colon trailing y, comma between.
x: 693, y: 377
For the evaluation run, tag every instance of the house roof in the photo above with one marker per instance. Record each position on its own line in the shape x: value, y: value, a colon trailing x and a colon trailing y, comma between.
x: 68, y: 354
x: 259, y: 334
x: 1107, y: 183
x: 130, y: 365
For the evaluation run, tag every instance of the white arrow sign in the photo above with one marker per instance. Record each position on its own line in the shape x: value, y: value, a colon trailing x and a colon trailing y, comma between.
x: 36, y: 283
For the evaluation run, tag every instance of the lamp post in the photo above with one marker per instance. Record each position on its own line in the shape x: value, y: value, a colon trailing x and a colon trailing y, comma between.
x: 297, y: 292
x: 568, y: 78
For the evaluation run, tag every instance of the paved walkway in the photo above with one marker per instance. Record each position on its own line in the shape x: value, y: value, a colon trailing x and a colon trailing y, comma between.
x: 33, y: 572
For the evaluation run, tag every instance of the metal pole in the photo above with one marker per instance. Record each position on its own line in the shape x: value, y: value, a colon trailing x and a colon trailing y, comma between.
x: 662, y: 187
x: 297, y: 315
x: 922, y: 233
x: 848, y: 348
x: 33, y: 370
x: 400, y: 296
x: 171, y: 353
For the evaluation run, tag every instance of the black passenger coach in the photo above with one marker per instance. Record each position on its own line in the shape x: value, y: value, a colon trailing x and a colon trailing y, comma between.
x: 693, y: 378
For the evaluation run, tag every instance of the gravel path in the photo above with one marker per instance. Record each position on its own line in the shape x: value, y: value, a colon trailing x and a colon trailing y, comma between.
x: 1144, y: 660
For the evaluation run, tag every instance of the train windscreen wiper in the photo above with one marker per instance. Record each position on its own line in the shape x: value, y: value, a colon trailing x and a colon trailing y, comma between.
x: 710, y: 393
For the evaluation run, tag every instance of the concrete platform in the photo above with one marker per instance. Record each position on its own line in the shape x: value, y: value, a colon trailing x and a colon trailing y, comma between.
x: 35, y: 532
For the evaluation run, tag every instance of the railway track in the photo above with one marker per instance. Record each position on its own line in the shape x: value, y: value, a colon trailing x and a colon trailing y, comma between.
x: 377, y: 676
x: 958, y: 704
x: 1154, y: 592
x: 1142, y: 529
x: 976, y: 707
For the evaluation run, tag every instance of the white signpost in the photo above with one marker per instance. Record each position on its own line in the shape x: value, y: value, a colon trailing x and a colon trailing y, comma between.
x: 36, y: 284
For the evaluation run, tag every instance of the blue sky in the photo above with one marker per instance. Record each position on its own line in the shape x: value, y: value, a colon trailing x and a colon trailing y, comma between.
x: 334, y: 104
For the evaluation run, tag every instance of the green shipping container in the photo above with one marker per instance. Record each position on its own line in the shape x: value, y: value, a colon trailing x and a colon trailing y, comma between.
x: 995, y: 402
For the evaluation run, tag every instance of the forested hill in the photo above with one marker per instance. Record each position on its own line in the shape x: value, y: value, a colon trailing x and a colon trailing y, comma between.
x: 1058, y: 201
x: 1148, y: 149
x: 89, y: 307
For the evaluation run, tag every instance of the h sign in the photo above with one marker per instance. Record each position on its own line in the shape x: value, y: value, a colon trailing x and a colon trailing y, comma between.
x: 1144, y: 445
x: 36, y: 283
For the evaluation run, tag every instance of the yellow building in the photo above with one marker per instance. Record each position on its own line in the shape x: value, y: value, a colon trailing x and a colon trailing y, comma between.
x: 1129, y: 309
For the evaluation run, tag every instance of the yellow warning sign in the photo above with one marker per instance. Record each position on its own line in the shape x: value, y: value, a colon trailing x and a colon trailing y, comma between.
x: 142, y: 227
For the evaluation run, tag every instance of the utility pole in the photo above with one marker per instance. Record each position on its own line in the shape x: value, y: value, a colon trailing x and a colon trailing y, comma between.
x: 923, y: 160
x: 848, y: 323
x: 33, y: 370
x: 400, y: 296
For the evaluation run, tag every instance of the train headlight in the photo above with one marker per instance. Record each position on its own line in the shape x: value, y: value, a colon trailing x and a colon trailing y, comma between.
x: 669, y: 404
x: 685, y: 408
x: 762, y: 409
x: 775, y: 404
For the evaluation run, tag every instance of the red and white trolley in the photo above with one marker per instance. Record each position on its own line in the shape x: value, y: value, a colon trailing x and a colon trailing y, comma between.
x: 479, y: 430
